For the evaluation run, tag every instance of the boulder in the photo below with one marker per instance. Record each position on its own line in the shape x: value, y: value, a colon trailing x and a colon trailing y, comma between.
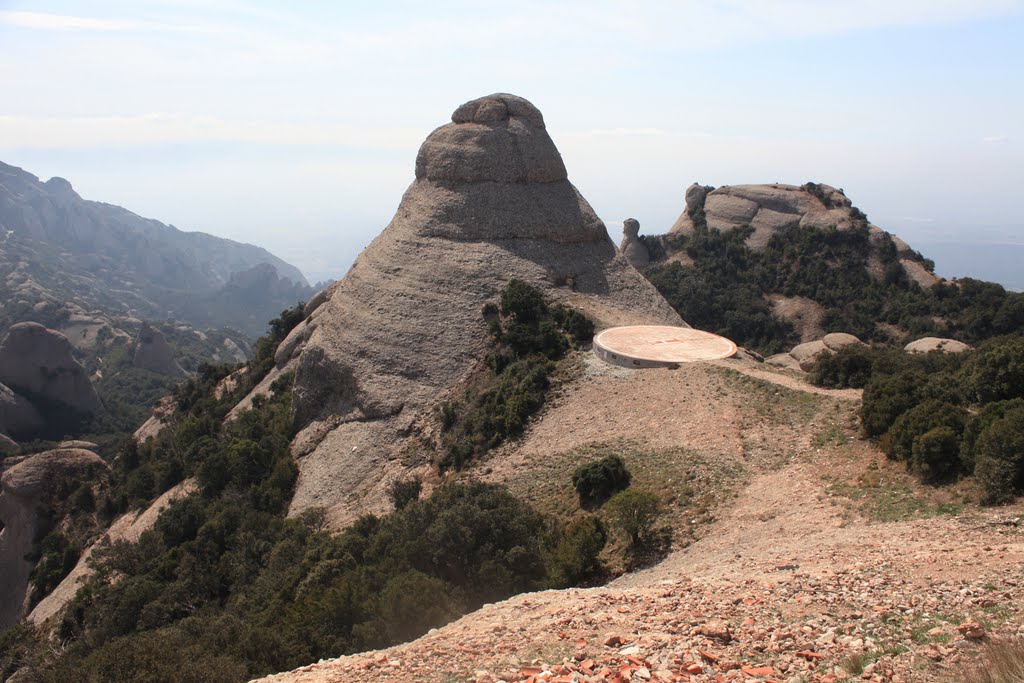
x: 695, y: 196
x: 24, y: 490
x: 806, y: 354
x: 491, y: 201
x: 631, y: 247
x: 926, y: 344
x: 152, y: 427
x: 39, y: 362
x: 838, y: 340
x: 84, y: 445
x: 153, y: 353
x: 783, y: 360
x: 17, y: 415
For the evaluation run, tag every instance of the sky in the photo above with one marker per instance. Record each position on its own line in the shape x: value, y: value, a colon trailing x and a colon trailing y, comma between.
x: 295, y: 125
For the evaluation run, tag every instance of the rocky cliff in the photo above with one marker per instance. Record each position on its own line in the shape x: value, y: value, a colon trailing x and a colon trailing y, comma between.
x: 491, y: 201
x: 769, y: 209
x: 39, y: 362
x: 26, y: 492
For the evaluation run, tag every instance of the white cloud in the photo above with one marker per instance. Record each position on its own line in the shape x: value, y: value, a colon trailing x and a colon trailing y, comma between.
x: 995, y: 140
x: 626, y: 132
x: 65, y: 22
x: 161, y: 127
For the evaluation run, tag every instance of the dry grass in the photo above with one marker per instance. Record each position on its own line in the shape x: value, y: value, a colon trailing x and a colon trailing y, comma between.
x: 1001, y: 661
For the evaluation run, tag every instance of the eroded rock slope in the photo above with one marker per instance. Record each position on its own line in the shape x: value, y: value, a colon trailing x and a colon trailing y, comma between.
x: 491, y: 202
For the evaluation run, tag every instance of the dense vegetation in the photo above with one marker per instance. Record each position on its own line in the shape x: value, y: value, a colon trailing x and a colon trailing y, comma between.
x: 226, y: 587
x: 724, y: 290
x: 944, y: 415
x: 529, y: 336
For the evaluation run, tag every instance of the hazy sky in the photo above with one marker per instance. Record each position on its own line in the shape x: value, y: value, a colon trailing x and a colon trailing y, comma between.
x: 295, y: 125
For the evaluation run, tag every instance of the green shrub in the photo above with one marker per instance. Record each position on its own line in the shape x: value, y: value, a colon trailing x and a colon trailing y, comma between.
x: 920, y: 419
x: 576, y: 555
x: 523, y: 302
x: 936, y: 455
x: 633, y: 512
x: 58, y: 556
x: 888, y: 397
x: 498, y: 404
x: 999, y: 457
x: 996, y: 372
x: 597, y: 481
x: 978, y: 422
x: 401, y: 492
x: 849, y: 367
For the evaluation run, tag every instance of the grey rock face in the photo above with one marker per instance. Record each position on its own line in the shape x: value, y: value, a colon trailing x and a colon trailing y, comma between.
x: 491, y: 202
x: 23, y: 490
x: 631, y: 247
x: 695, y: 196
x: 153, y: 353
x: 39, y: 361
x: 17, y: 416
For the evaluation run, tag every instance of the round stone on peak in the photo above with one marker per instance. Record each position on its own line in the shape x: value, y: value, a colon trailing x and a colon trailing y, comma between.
x: 497, y: 107
x: 498, y: 138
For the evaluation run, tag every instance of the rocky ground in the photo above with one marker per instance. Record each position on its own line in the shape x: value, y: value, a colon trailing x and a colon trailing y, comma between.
x: 823, y: 563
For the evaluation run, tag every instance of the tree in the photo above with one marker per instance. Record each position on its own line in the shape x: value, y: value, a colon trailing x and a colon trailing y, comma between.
x: 575, y: 556
x: 596, y: 481
x: 999, y: 453
x: 405, y: 491
x: 633, y: 512
x: 886, y: 398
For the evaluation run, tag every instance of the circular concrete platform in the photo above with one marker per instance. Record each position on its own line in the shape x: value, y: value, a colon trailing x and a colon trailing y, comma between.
x: 657, y: 346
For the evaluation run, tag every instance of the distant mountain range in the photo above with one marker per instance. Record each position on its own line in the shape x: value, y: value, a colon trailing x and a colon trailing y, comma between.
x: 56, y: 247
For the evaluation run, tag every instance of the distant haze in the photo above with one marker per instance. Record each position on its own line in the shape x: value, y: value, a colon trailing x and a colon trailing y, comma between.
x: 295, y: 126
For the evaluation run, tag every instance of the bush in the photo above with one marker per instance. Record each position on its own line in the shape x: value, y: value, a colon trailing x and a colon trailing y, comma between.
x: 920, y: 419
x: 597, y: 481
x: 575, y: 556
x: 888, y: 397
x: 999, y: 457
x: 498, y: 403
x: 996, y: 372
x: 523, y: 302
x: 405, y: 491
x: 633, y: 512
x: 979, y: 422
x: 936, y: 455
x: 849, y: 367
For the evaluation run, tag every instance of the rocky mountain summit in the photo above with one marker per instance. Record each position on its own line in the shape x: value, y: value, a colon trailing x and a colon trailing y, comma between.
x: 57, y: 247
x: 491, y: 201
x: 770, y: 209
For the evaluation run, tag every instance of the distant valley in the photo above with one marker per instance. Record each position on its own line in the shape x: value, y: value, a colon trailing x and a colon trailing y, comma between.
x: 56, y: 247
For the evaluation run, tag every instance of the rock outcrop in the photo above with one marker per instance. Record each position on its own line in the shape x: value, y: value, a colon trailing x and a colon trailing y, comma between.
x: 631, y: 247
x: 129, y: 527
x: 7, y: 444
x: 151, y: 428
x: 771, y: 208
x: 153, y: 353
x: 39, y: 362
x: 491, y: 202
x: 926, y: 344
x: 17, y: 415
x: 805, y: 356
x: 24, y: 493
